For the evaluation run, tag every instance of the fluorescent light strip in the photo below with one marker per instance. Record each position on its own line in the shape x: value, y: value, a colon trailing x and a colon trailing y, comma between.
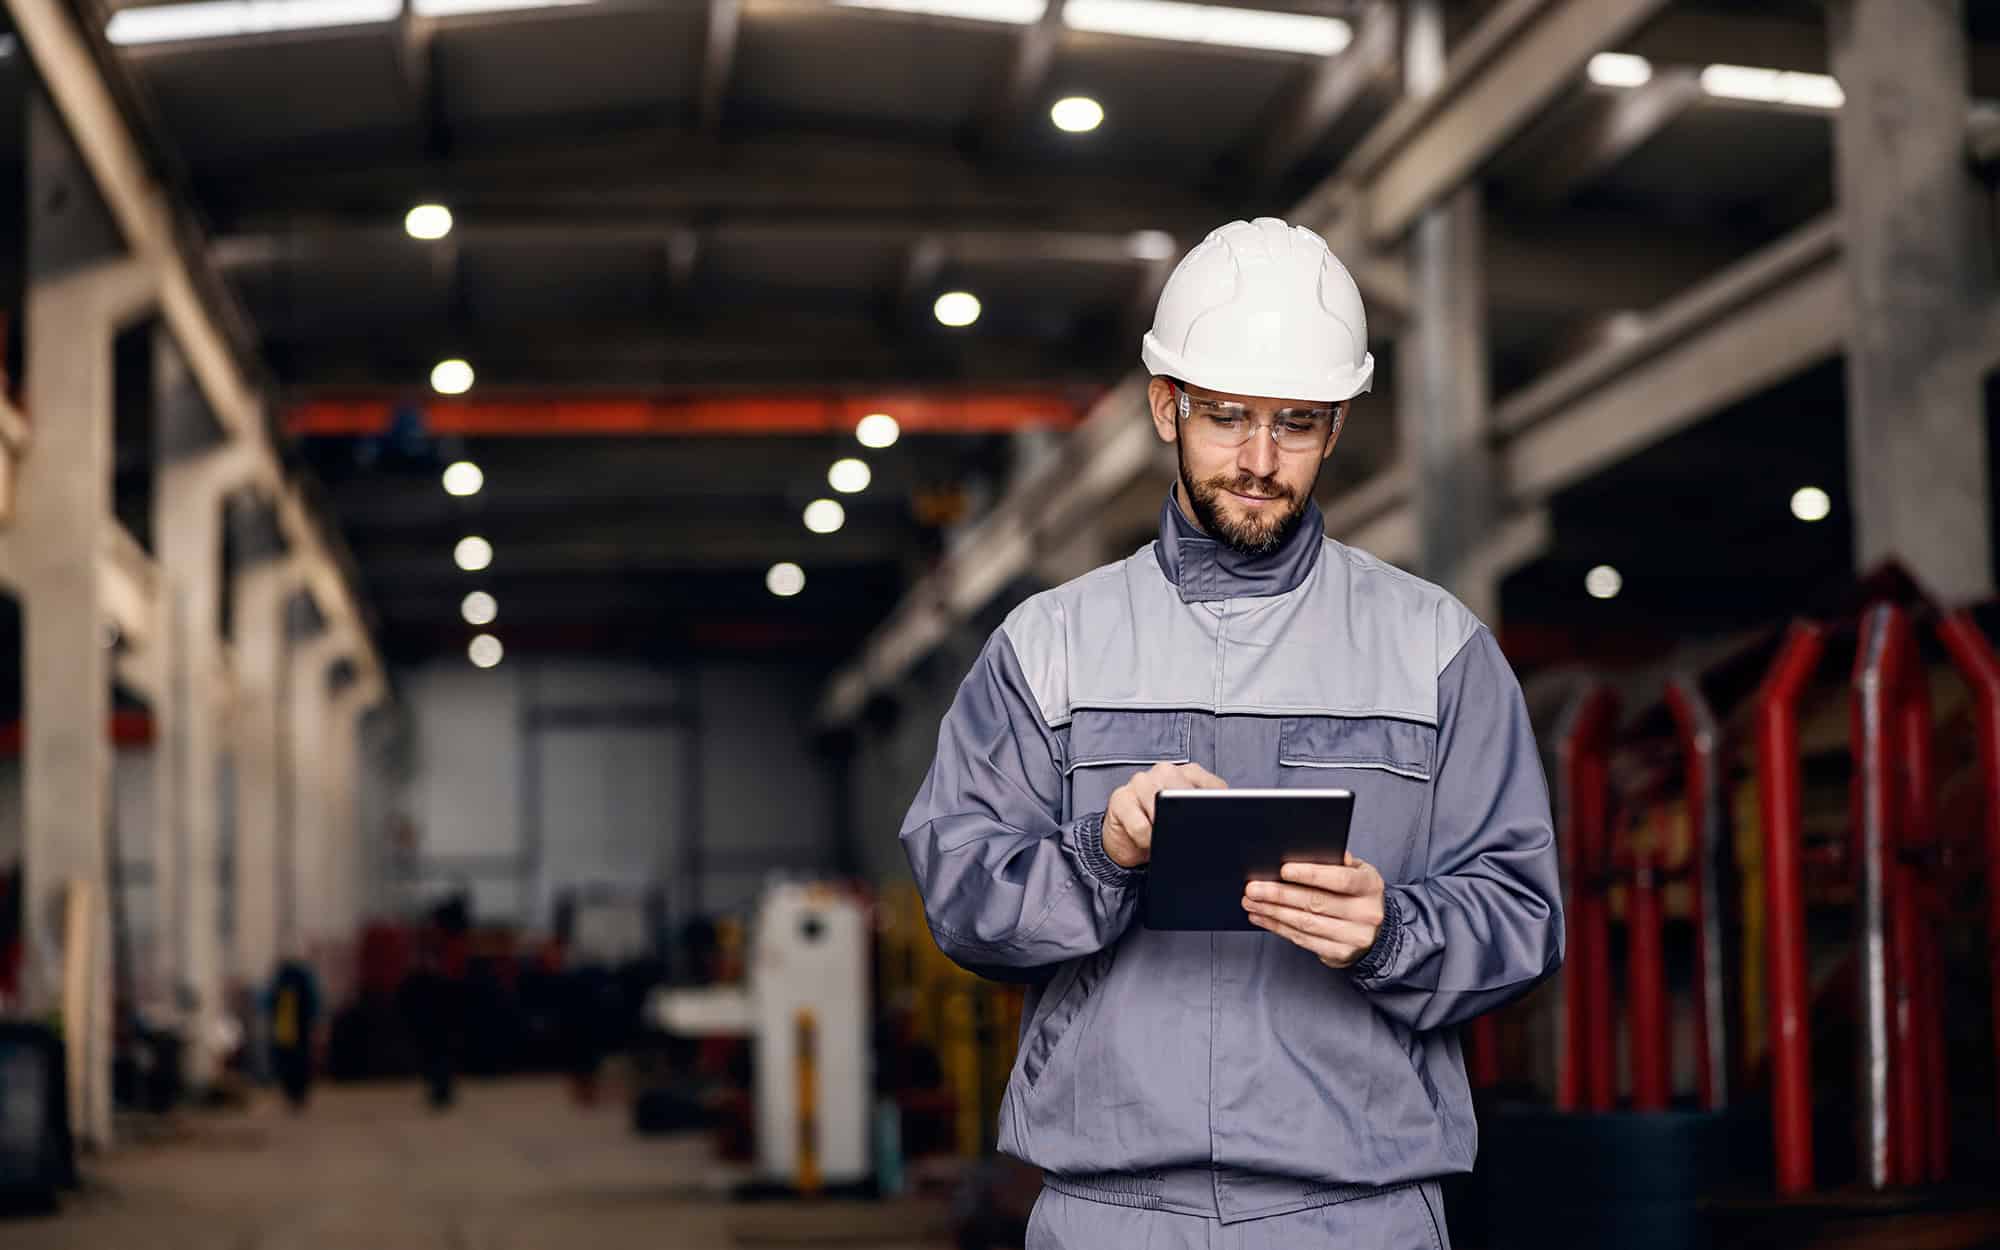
x: 1620, y: 69
x: 1772, y: 86
x: 220, y: 19
x: 1010, y: 12
x: 1211, y: 24
x: 458, y: 8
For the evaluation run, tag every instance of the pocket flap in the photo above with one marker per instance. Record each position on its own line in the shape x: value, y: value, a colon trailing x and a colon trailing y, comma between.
x: 1396, y: 746
x: 1098, y: 736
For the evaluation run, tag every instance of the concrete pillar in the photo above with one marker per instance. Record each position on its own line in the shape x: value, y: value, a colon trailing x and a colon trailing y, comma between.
x: 1443, y: 388
x: 302, y: 899
x: 262, y: 596
x: 79, y: 292
x: 1921, y: 276
x: 189, y: 489
x: 341, y: 852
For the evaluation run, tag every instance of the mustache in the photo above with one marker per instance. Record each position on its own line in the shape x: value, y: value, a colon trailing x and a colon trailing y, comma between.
x: 1245, y: 484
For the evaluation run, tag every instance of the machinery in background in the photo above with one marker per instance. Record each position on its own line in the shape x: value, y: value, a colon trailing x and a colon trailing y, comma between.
x: 805, y: 1006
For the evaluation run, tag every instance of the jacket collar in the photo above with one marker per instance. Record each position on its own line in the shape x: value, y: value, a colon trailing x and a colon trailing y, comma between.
x: 1205, y: 570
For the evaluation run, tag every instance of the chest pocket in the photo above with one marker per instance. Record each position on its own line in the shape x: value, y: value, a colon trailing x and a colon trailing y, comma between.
x: 1386, y: 763
x: 1107, y: 747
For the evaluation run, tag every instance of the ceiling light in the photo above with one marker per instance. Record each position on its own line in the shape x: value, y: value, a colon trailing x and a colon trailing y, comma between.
x: 1077, y: 114
x: 1011, y: 12
x: 849, y: 476
x: 1772, y: 86
x: 878, y: 430
x: 957, y: 308
x: 1603, y: 582
x: 473, y: 553
x: 823, y: 516
x: 485, y: 651
x: 451, y: 377
x: 479, y: 608
x: 785, y: 580
x: 221, y: 19
x: 1153, y: 245
x: 1210, y: 23
x: 428, y: 222
x: 463, y: 479
x: 1810, y: 503
x: 1620, y: 69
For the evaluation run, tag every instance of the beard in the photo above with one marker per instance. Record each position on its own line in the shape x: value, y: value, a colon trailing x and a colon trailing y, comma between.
x: 1250, y: 535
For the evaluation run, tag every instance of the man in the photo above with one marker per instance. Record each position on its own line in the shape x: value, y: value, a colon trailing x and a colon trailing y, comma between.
x: 1296, y: 1087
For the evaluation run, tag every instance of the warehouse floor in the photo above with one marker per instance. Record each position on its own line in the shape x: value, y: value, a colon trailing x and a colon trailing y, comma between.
x: 515, y: 1166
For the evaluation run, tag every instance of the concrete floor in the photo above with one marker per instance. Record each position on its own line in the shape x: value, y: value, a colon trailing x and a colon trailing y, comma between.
x: 515, y: 1166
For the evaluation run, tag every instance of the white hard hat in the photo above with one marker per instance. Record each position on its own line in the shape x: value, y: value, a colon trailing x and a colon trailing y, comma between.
x: 1262, y: 308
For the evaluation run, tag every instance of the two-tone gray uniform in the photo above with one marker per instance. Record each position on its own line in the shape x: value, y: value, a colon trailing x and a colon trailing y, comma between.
x: 1229, y: 1089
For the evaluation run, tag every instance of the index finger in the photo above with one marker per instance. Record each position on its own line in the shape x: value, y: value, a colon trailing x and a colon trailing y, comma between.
x: 1334, y: 878
x: 1200, y: 778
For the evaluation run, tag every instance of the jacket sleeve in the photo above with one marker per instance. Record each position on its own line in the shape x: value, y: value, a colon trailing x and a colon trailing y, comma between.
x: 1485, y: 923
x: 1007, y: 884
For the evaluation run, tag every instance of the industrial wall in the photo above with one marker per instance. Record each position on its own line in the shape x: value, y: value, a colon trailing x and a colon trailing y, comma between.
x: 538, y: 777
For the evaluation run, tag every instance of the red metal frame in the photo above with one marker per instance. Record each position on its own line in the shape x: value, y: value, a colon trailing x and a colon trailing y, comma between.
x: 1695, y: 726
x: 1589, y: 1061
x: 1919, y: 1059
x: 1778, y: 790
x: 1975, y: 659
x: 1646, y: 962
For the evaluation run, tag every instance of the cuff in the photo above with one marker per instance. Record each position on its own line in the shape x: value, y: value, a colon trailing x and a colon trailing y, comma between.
x: 1382, y: 956
x: 1089, y: 835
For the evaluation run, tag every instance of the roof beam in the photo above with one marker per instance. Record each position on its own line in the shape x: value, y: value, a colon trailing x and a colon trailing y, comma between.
x: 1335, y: 86
x: 1022, y: 84
x: 1624, y: 122
x: 416, y: 61
x: 1500, y: 78
x: 954, y: 410
x: 678, y: 176
x: 718, y: 63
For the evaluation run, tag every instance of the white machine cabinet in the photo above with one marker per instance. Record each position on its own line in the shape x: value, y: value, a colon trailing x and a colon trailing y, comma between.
x: 809, y: 953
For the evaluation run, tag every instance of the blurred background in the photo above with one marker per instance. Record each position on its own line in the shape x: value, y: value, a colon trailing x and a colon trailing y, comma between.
x: 495, y: 496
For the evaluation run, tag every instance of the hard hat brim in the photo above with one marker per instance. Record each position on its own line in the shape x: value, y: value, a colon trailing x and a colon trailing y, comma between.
x: 1319, y: 388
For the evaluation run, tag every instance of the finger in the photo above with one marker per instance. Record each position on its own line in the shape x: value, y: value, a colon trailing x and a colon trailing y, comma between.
x: 1146, y: 788
x: 1303, y: 897
x: 1330, y: 928
x: 1340, y: 954
x: 1337, y: 878
x: 1200, y: 778
x: 1131, y: 817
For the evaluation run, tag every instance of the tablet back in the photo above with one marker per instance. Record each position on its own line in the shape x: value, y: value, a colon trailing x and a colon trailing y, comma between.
x: 1207, y: 844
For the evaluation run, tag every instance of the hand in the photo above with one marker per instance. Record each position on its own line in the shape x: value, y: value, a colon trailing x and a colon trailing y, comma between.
x: 1332, y: 910
x: 1128, y: 816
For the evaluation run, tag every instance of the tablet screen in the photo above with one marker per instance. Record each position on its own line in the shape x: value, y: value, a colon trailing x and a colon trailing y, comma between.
x: 1208, y: 843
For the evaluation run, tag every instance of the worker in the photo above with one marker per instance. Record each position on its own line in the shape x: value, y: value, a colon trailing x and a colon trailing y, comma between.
x: 1298, y: 1084
x: 294, y: 1013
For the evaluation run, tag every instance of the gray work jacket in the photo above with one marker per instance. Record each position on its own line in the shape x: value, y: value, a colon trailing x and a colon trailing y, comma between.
x: 1151, y: 1060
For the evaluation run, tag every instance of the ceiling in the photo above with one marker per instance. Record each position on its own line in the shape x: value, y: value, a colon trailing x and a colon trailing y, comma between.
x: 650, y: 205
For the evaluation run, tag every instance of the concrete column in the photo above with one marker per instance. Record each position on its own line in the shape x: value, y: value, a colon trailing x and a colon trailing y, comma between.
x: 341, y: 852
x: 1443, y: 389
x: 189, y: 490
x: 263, y: 592
x: 1921, y: 274
x: 302, y: 897
x: 78, y: 294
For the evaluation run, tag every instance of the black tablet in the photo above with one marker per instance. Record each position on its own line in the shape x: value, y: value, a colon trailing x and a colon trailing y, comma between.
x: 1207, y: 844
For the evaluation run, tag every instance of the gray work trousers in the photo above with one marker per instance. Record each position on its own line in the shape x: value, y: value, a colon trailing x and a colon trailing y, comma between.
x: 1408, y: 1218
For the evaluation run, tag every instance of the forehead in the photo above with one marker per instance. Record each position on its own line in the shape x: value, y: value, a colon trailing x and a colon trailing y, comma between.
x: 1254, y: 401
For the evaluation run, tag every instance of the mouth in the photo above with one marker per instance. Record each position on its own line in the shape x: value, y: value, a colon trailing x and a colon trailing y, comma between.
x: 1253, y: 500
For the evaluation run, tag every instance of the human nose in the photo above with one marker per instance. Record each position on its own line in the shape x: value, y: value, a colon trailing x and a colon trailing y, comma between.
x: 1259, y: 454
